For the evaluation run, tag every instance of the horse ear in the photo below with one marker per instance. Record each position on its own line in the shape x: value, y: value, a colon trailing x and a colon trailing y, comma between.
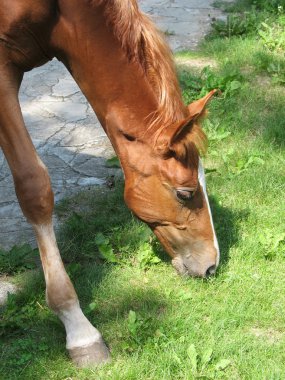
x: 197, y: 108
x: 185, y: 136
x: 184, y: 139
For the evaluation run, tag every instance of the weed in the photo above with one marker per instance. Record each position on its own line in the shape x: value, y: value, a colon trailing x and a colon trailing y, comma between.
x: 146, y: 256
x: 191, y: 85
x: 237, y: 25
x: 18, y: 259
x: 20, y: 315
x: 272, y: 242
x: 105, y: 248
x: 274, y: 6
x: 23, y: 351
x: 139, y: 330
x: 215, y: 132
x: 272, y: 64
x: 269, y: 5
x: 235, y: 166
x: 113, y: 162
x: 273, y: 35
x: 202, y: 366
x: 267, y: 27
x: 229, y: 83
x: 277, y: 71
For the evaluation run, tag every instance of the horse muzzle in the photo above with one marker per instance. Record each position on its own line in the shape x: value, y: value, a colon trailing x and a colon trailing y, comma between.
x: 189, y: 266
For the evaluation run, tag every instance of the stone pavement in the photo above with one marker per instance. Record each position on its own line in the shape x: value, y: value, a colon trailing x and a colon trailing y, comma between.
x: 65, y: 130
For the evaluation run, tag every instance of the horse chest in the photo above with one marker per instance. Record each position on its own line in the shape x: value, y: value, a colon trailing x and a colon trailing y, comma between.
x: 25, y: 26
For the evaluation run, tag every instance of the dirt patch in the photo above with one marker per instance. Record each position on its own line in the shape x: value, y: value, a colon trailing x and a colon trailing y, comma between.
x: 196, y: 63
x: 6, y: 288
x: 272, y: 336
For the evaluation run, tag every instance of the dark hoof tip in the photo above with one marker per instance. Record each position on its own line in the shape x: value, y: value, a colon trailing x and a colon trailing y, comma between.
x: 88, y: 356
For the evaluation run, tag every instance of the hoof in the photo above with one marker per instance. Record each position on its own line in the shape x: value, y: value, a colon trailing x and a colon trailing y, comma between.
x: 87, y: 356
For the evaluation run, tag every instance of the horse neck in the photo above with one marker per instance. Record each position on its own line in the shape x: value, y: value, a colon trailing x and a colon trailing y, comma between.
x: 115, y: 87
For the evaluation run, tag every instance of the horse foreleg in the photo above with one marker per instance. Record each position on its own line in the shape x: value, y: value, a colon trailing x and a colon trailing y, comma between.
x: 83, y: 341
x: 33, y: 189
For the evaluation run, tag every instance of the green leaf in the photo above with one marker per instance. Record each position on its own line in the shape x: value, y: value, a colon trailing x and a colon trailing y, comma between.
x: 92, y: 306
x: 221, y: 136
x: 133, y: 323
x: 222, y: 364
x: 235, y: 85
x: 207, y: 356
x: 146, y: 256
x: 192, y: 354
x: 105, y: 249
x: 101, y: 239
x: 263, y: 239
x: 132, y: 317
x: 176, y: 358
x: 113, y: 162
x: 278, y: 239
x: 107, y: 253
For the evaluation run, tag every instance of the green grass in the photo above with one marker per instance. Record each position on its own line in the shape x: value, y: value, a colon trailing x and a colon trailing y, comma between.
x: 158, y: 325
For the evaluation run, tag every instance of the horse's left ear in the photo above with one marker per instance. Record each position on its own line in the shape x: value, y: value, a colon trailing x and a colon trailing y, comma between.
x: 186, y: 131
x: 197, y: 108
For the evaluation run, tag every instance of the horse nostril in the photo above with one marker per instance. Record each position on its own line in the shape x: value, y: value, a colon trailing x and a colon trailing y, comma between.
x: 210, y: 271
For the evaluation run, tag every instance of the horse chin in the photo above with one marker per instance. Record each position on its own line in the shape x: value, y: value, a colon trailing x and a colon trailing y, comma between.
x: 187, y: 266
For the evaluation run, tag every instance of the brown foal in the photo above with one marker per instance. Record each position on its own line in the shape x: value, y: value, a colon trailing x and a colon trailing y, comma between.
x: 125, y: 70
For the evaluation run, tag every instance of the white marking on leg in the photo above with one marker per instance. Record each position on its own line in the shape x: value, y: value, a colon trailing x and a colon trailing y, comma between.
x: 79, y: 331
x: 202, y: 181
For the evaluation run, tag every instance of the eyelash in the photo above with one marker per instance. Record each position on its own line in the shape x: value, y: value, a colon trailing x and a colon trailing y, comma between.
x: 185, y: 194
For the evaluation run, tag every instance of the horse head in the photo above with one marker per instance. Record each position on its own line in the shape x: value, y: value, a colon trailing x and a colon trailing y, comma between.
x: 165, y: 187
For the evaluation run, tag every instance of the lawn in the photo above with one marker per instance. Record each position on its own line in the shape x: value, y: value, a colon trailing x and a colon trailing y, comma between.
x: 157, y: 324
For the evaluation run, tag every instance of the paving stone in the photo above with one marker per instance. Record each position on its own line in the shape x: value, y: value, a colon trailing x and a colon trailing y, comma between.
x: 65, y: 87
x: 90, y: 181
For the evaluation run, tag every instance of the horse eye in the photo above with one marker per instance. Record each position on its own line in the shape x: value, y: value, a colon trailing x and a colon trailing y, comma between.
x: 129, y: 137
x: 185, y: 195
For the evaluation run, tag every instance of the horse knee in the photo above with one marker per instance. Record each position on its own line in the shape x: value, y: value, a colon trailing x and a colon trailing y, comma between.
x: 34, y: 192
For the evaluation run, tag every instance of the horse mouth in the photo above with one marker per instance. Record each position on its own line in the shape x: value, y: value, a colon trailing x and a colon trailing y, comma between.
x: 189, y: 261
x: 193, y: 271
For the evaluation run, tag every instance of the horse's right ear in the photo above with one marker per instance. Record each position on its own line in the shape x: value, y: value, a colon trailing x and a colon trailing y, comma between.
x: 185, y: 138
x: 177, y: 131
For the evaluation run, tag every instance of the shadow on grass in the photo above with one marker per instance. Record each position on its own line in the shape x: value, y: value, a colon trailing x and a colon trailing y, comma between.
x: 37, y: 350
x: 226, y: 223
x: 273, y: 118
x: 37, y: 337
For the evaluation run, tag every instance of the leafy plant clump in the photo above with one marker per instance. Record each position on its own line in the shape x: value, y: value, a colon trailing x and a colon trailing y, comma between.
x: 18, y: 259
x: 104, y: 230
x: 273, y: 243
x: 196, y: 86
x: 237, y: 24
x: 263, y: 22
x: 203, y: 365
x: 269, y: 5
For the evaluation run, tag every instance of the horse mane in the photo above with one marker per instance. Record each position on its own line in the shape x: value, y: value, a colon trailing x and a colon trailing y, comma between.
x: 143, y: 43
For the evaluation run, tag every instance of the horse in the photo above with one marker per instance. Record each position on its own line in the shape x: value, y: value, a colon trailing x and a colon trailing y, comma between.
x: 125, y: 69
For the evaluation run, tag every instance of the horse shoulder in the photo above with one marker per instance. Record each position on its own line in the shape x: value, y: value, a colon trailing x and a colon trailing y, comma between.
x: 25, y: 28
